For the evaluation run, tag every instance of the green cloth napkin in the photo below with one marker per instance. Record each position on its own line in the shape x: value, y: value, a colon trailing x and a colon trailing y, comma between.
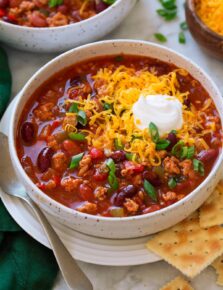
x: 24, y: 263
x: 5, y: 81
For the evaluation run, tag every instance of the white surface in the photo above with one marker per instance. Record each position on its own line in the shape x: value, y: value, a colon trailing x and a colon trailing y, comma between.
x: 140, y: 24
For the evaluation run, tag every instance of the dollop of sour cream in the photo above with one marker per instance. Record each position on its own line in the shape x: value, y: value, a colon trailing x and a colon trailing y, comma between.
x: 163, y: 110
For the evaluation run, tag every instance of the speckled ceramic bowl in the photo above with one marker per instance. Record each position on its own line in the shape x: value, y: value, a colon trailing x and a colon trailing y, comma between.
x: 127, y: 227
x: 57, y: 39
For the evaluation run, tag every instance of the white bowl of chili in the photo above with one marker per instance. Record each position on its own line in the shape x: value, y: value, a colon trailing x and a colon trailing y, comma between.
x: 64, y: 180
x: 52, y: 32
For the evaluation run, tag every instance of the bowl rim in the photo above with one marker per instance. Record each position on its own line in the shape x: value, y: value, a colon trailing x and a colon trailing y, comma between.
x: 45, y: 197
x: 62, y: 27
x: 190, y: 4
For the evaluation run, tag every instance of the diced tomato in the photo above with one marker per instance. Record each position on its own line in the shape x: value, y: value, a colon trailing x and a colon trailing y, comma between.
x: 71, y: 147
x: 55, y: 124
x: 138, y: 168
x: 12, y: 17
x: 86, y: 192
x: 41, y: 186
x: 57, y: 180
x: 96, y: 153
x: 100, y: 176
x: 2, y: 12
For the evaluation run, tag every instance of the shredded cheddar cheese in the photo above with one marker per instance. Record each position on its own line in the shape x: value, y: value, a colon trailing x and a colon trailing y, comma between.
x: 121, y: 89
x: 211, y: 13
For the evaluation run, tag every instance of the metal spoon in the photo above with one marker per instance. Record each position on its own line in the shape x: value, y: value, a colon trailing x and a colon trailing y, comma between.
x: 73, y: 275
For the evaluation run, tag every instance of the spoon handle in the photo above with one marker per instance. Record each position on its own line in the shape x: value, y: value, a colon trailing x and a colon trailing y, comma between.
x: 71, y: 272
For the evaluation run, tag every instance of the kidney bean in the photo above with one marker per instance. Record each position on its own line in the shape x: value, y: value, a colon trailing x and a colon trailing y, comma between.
x: 207, y: 155
x: 126, y: 192
x: 62, y: 8
x: 173, y: 140
x: 28, y: 132
x: 4, y: 3
x: 152, y: 177
x: 187, y: 102
x: 100, y: 6
x: 100, y: 176
x: 86, y: 192
x: 44, y: 159
x: 118, y: 156
x: 96, y: 153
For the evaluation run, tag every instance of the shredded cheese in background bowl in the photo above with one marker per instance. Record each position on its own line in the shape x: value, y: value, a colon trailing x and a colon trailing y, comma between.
x: 121, y: 89
x: 211, y: 13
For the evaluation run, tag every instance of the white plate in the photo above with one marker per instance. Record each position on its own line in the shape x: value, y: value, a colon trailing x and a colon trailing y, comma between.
x: 82, y: 247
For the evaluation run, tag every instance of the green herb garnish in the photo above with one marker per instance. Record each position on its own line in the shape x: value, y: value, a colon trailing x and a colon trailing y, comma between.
x: 109, y: 2
x: 198, y: 166
x: 172, y: 183
x: 150, y: 190
x: 162, y: 144
x: 82, y: 118
x: 118, y: 144
x: 73, y: 108
x: 183, y: 25
x: 160, y: 37
x: 177, y: 149
x: 131, y: 156
x: 75, y: 160
x: 168, y: 4
x: 182, y: 38
x: 112, y: 179
x: 154, y: 133
x: 167, y: 14
x: 107, y: 106
x: 54, y: 3
x: 76, y: 136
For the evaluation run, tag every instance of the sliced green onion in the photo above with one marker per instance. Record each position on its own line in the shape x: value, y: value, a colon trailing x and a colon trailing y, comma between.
x: 150, y: 190
x: 177, y: 148
x: 73, y: 108
x: 190, y: 152
x: 183, y: 25
x: 154, y: 133
x: 182, y: 38
x: 76, y: 136
x: 131, y: 156
x: 82, y: 118
x: 109, y: 2
x: 162, y: 144
x: 173, y: 131
x: 76, y: 160
x: 198, y: 166
x: 172, y: 183
x: 54, y: 3
x: 118, y: 144
x: 111, y: 164
x: 184, y: 151
x: 160, y: 37
x: 112, y: 179
x: 169, y: 4
x: 107, y: 106
x: 167, y: 14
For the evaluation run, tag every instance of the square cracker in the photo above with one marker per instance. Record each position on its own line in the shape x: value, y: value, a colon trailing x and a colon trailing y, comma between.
x: 218, y: 266
x: 177, y: 284
x: 187, y: 246
x: 211, y: 212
